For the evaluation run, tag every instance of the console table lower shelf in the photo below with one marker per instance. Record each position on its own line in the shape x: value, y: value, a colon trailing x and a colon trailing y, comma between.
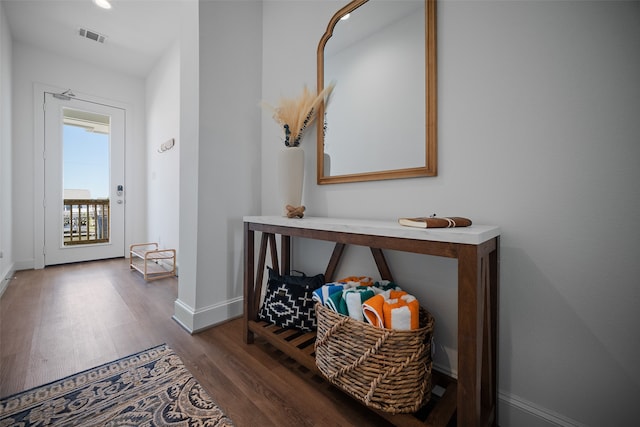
x: 300, y: 346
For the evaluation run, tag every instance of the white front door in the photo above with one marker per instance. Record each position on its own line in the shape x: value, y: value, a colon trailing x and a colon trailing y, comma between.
x: 84, y: 180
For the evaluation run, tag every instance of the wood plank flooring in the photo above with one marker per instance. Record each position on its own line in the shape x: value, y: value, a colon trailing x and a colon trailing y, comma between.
x: 64, y: 319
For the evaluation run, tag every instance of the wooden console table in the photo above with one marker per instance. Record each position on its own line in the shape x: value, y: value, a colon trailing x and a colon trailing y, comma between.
x: 473, y: 397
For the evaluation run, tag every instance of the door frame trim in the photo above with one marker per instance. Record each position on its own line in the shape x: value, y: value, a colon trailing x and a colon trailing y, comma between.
x: 39, y: 90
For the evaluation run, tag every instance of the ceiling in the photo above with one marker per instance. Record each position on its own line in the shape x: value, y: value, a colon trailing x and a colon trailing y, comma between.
x: 137, y: 32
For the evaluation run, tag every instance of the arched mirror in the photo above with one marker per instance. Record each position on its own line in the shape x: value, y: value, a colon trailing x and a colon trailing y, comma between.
x: 380, y: 122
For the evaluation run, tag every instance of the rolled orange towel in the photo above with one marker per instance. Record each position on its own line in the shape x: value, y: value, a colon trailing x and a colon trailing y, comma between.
x: 379, y: 309
x: 393, y: 294
x: 402, y: 313
x: 357, y: 280
x: 373, y: 312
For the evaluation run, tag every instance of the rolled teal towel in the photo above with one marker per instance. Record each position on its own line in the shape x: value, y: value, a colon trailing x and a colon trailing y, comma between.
x: 354, y: 298
x: 336, y: 303
x: 386, y: 285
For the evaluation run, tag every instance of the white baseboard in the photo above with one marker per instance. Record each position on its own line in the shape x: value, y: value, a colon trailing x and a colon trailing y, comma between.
x: 195, y: 320
x: 447, y: 370
x: 514, y: 411
x: 3, y: 285
x: 11, y: 271
x: 183, y: 314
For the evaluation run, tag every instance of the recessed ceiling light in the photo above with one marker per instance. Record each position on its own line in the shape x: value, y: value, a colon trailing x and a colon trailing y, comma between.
x: 103, y: 4
x: 345, y: 17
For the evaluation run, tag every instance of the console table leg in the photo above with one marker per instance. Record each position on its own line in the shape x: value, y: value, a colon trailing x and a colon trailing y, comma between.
x: 477, y: 334
x: 248, y: 284
x: 470, y: 336
x: 493, y: 289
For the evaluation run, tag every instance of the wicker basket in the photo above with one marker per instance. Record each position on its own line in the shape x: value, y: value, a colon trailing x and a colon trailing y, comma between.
x: 386, y: 369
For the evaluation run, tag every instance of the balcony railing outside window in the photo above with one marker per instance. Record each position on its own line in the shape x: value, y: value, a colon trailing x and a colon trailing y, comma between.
x: 86, y: 221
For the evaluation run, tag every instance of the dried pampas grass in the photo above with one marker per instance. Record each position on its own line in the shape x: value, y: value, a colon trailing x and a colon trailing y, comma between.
x: 296, y: 114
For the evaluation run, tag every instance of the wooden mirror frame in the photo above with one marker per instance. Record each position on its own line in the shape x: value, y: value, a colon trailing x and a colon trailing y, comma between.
x: 431, y: 160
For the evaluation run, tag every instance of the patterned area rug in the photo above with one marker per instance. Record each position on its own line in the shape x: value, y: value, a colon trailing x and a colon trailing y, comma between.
x: 150, y: 388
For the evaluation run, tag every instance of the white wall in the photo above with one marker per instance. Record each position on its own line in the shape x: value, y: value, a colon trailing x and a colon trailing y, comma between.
x: 538, y: 133
x: 163, y: 169
x: 6, y: 232
x: 33, y: 66
x: 225, y: 164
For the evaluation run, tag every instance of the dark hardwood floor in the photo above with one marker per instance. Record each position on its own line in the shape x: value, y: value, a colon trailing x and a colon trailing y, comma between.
x: 64, y: 319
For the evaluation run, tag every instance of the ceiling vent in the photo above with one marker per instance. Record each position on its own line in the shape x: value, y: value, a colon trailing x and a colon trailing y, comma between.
x: 92, y: 35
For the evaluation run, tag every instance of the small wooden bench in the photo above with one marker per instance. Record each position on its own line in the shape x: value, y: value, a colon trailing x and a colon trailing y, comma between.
x: 152, y: 262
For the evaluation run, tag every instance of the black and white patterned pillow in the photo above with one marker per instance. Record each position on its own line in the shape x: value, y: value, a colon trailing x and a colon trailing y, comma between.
x: 288, y: 302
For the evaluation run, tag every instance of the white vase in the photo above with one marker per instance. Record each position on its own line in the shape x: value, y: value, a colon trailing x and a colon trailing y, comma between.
x: 290, y: 177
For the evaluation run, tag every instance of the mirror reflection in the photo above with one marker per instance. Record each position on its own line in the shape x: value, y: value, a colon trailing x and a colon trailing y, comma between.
x: 375, y: 126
